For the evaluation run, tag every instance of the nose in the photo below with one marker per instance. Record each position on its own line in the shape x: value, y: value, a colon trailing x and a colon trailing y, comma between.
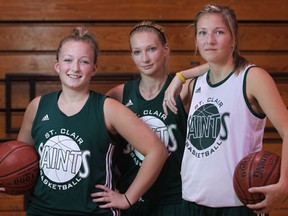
x: 145, y: 57
x: 210, y: 39
x: 75, y: 67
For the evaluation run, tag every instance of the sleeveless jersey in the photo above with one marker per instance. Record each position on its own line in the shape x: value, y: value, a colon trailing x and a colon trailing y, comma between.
x: 170, y: 129
x: 222, y: 128
x: 75, y: 155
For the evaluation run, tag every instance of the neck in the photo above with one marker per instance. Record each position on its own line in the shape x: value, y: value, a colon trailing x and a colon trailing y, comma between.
x: 150, y: 88
x: 219, y: 73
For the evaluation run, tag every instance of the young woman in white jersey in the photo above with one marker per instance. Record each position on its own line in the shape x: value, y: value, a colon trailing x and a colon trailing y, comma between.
x: 226, y: 121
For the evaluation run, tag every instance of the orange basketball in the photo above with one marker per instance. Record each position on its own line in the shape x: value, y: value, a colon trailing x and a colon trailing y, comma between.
x: 255, y: 170
x: 19, y: 167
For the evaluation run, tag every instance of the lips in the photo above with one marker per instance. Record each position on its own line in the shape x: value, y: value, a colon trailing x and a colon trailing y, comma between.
x: 210, y: 49
x: 146, y: 67
x: 74, y: 76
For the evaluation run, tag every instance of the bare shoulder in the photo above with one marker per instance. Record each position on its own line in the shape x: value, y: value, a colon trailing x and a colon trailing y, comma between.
x: 261, y: 88
x: 259, y: 79
x: 116, y: 110
x: 116, y: 92
x: 29, y: 116
x: 31, y: 110
x: 114, y: 113
x: 33, y: 105
x: 258, y: 73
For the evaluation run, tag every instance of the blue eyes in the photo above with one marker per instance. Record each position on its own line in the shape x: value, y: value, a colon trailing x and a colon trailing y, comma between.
x: 81, y: 62
x: 203, y: 33
x: 136, y: 52
x: 151, y: 49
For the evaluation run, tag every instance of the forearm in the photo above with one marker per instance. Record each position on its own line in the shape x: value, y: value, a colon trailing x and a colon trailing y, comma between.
x: 195, y: 71
x: 284, y: 163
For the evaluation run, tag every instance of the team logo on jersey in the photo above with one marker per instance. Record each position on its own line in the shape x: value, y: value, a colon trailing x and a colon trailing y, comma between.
x: 165, y: 133
x: 198, y: 90
x: 45, y: 118
x: 63, y: 165
x: 207, y: 130
x: 129, y: 103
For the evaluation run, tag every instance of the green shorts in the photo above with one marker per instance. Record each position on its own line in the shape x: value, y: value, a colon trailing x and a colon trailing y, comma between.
x: 137, y: 210
x: 154, y: 209
x: 167, y: 209
x: 193, y: 209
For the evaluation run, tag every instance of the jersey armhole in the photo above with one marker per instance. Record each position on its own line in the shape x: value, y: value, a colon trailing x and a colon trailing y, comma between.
x: 259, y: 115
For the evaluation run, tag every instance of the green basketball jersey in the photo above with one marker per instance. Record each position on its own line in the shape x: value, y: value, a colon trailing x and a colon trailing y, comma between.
x: 170, y: 129
x: 75, y: 155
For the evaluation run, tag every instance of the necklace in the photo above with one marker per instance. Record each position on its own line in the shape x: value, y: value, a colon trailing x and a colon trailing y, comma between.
x: 148, y: 93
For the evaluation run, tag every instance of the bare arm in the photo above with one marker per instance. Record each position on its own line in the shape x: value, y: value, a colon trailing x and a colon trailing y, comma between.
x: 177, y: 88
x: 25, y: 130
x: 120, y: 119
x: 24, y: 134
x: 116, y: 93
x: 262, y: 87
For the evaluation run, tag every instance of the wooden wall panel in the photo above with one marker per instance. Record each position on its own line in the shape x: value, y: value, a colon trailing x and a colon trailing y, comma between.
x: 114, y: 37
x: 115, y: 63
x: 67, y: 10
x: 11, y: 203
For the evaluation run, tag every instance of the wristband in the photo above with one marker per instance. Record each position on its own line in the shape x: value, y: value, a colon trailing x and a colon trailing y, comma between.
x: 181, y: 77
x: 127, y: 199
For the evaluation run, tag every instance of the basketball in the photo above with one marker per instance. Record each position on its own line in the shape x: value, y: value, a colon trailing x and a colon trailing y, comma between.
x: 19, y: 167
x: 255, y: 170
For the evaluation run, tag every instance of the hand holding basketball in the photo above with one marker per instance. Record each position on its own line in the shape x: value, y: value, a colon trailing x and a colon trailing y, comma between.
x: 255, y: 170
x: 19, y: 167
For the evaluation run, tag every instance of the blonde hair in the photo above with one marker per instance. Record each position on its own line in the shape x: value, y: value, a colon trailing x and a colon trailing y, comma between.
x: 230, y: 21
x: 150, y: 26
x: 80, y: 34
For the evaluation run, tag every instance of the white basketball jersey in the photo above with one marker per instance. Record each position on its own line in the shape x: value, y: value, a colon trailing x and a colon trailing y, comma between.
x: 222, y: 128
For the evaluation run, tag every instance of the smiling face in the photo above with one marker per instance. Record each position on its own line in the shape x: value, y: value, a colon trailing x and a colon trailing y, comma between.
x: 213, y: 39
x: 148, y: 52
x: 76, y: 64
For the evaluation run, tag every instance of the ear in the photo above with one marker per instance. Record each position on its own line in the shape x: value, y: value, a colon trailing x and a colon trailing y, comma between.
x: 94, y: 70
x: 56, y: 66
x: 166, y: 49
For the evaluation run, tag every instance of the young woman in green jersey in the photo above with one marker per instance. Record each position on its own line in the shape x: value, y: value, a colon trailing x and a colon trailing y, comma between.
x: 226, y: 121
x: 144, y: 96
x: 74, y: 131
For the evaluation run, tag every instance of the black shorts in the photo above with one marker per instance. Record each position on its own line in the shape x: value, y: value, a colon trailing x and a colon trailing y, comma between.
x: 135, y: 210
x: 191, y: 209
x: 168, y: 209
x: 154, y: 209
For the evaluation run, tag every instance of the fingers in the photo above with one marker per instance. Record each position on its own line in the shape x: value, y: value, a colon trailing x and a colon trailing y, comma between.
x: 108, y: 198
x: 172, y: 106
x: 165, y: 107
x: 102, y: 187
x: 257, y: 206
x: 261, y: 207
x: 259, y: 210
x: 102, y: 194
x: 169, y: 102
